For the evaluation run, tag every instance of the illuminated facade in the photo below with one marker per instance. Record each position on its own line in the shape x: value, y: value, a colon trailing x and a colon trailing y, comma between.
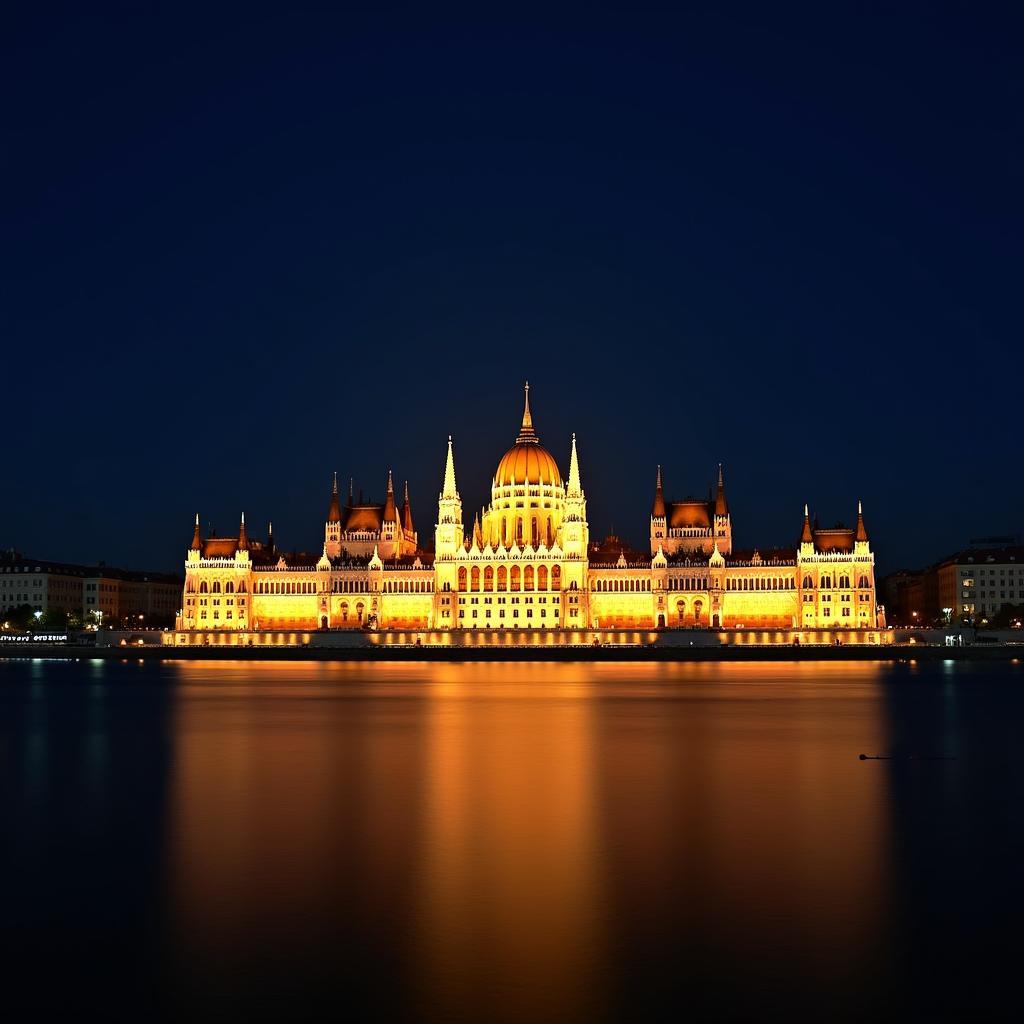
x: 527, y: 562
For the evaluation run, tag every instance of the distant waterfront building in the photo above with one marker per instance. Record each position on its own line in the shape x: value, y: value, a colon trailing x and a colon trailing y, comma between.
x: 527, y: 562
x: 115, y: 594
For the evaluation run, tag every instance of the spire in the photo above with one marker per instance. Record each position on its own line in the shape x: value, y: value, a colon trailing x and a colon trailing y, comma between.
x: 334, y: 511
x: 243, y: 540
x: 526, y: 431
x: 574, y: 472
x: 478, y: 537
x: 806, y: 537
x: 721, y: 506
x: 350, y: 492
x: 197, y: 543
x: 862, y: 532
x: 389, y: 502
x: 658, y: 508
x: 407, y: 511
x: 270, y: 537
x: 449, y: 490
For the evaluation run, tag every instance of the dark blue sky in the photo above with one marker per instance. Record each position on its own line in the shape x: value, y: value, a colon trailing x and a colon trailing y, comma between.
x: 239, y: 255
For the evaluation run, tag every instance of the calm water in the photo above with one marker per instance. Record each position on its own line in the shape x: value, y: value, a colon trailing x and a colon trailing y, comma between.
x: 511, y: 841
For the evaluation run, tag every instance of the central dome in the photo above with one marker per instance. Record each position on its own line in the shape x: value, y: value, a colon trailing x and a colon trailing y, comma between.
x: 527, y: 461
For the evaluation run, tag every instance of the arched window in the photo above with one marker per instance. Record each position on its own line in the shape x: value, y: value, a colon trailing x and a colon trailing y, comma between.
x: 514, y: 578
x: 844, y: 582
x: 863, y: 582
x: 808, y: 583
x: 698, y: 607
x: 241, y: 586
x: 216, y: 586
x: 462, y: 577
x: 556, y: 577
x: 826, y: 583
x: 502, y: 577
x: 203, y: 588
x: 489, y: 578
x: 534, y: 531
x: 474, y: 578
x: 681, y: 611
x: 344, y: 611
x: 519, y: 530
x: 528, y: 578
x: 542, y: 578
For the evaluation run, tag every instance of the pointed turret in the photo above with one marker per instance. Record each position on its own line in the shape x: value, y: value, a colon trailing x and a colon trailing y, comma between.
x: 806, y: 536
x: 862, y: 532
x: 574, y: 490
x: 390, y: 512
x: 478, y: 537
x: 334, y: 510
x: 721, y: 506
x: 449, y: 490
x: 526, y: 431
x: 270, y: 537
x: 407, y: 511
x: 243, y: 540
x: 658, y: 510
x: 197, y: 541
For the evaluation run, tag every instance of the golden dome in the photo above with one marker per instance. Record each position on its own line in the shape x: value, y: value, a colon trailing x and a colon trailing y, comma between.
x: 527, y: 461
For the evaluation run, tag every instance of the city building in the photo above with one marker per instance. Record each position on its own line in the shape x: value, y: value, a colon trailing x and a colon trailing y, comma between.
x: 114, y: 595
x: 527, y: 562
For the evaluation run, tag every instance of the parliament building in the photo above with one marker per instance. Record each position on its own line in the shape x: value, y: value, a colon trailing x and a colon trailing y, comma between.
x: 527, y: 562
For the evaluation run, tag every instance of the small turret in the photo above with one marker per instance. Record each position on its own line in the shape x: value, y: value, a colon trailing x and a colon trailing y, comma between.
x: 270, y: 537
x: 526, y: 431
x: 243, y: 540
x: 197, y: 541
x: 574, y: 489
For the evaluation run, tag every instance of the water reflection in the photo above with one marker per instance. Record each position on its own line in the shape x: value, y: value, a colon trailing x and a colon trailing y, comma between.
x: 508, y: 837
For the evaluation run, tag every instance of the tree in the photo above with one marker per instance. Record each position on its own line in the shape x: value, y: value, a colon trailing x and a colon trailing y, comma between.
x: 20, y: 616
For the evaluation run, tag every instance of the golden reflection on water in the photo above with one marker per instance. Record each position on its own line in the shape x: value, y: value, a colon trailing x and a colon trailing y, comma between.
x: 503, y: 836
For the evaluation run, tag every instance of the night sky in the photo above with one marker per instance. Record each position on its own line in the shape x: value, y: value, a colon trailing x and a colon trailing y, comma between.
x: 238, y: 255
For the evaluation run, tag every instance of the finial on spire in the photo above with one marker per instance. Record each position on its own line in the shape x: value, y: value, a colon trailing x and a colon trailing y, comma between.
x: 243, y: 540
x: 335, y: 481
x: 197, y: 543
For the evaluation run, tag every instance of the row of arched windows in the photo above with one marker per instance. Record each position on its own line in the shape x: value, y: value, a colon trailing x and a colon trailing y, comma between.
x: 687, y: 583
x: 350, y: 586
x: 533, y: 531
x: 408, y: 586
x: 761, y: 583
x: 284, y: 587
x: 515, y: 579
x: 215, y: 587
x: 843, y: 583
x: 621, y: 586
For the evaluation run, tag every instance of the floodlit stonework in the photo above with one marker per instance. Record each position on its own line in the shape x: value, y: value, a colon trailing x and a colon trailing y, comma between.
x: 527, y: 563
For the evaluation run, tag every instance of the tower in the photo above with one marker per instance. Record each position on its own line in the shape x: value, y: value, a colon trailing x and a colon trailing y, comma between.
x: 332, y: 528
x: 448, y: 532
x: 722, y: 519
x: 575, y: 530
x: 659, y: 516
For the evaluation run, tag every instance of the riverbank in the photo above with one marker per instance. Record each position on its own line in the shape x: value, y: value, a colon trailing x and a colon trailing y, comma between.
x: 623, y: 653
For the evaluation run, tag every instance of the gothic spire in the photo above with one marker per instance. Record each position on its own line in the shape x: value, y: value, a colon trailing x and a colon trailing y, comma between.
x: 334, y: 510
x: 658, y: 508
x: 526, y: 431
x: 862, y: 531
x: 721, y: 506
x: 407, y: 511
x: 197, y: 543
x: 449, y: 490
x: 243, y: 540
x: 807, y: 537
x: 574, y: 489
x: 390, y: 512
